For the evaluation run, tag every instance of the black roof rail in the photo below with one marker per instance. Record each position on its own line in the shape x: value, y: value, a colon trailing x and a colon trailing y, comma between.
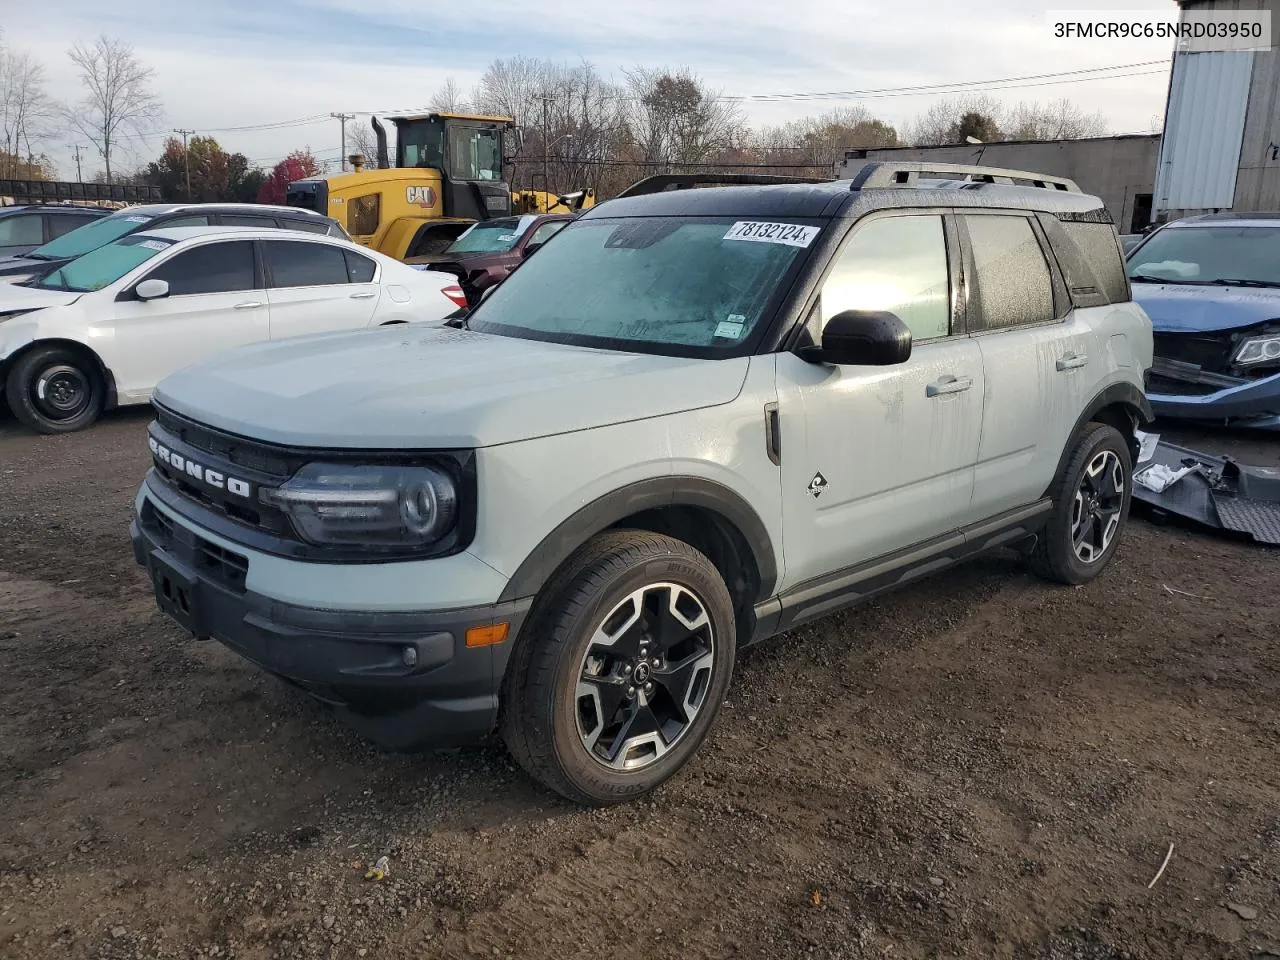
x: 683, y: 181
x: 892, y: 173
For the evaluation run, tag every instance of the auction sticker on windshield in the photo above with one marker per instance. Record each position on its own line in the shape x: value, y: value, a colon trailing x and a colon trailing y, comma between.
x: 791, y: 234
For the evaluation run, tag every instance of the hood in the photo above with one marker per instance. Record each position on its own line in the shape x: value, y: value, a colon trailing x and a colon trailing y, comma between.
x: 14, y: 297
x: 1186, y: 308
x: 12, y: 265
x: 439, y: 387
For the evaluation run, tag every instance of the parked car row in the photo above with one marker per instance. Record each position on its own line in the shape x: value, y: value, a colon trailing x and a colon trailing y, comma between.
x: 96, y: 318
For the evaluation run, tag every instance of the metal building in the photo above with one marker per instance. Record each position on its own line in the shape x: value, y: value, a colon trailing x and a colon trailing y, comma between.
x: 1221, y: 147
x: 1119, y: 170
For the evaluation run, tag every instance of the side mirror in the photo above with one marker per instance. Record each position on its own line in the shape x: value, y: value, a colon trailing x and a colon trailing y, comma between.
x: 533, y: 247
x: 874, y: 338
x: 152, y: 289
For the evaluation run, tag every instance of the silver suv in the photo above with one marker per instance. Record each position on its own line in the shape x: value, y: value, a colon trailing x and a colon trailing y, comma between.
x: 698, y: 418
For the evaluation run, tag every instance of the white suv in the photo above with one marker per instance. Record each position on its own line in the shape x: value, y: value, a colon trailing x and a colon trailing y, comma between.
x: 698, y: 418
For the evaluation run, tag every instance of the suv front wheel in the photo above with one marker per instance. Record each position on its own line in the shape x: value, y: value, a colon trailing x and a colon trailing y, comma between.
x: 1090, y: 508
x: 622, y: 670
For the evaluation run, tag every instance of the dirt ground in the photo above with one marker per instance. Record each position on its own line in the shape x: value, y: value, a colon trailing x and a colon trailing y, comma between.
x: 981, y: 766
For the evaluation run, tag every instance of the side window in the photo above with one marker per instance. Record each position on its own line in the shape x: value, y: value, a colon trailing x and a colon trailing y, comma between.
x: 547, y: 231
x: 62, y: 223
x: 1098, y: 245
x: 238, y: 220
x: 1012, y: 279
x: 898, y: 264
x: 359, y: 269
x: 209, y: 268
x: 196, y: 220
x: 363, y: 214
x: 302, y: 264
x: 306, y: 226
x: 21, y: 231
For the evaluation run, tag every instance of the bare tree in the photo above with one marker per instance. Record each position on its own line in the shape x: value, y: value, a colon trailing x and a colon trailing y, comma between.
x: 26, y: 110
x: 360, y: 139
x: 821, y: 141
x: 449, y: 98
x: 1059, y: 120
x: 675, y: 119
x: 118, y: 101
x: 940, y: 123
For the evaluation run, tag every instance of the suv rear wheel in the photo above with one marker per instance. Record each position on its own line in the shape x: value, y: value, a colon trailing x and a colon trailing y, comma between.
x: 622, y: 670
x: 55, y: 390
x: 1090, y: 508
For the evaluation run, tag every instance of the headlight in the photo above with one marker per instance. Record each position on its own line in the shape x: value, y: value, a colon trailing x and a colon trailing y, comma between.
x: 369, y: 506
x: 1265, y: 349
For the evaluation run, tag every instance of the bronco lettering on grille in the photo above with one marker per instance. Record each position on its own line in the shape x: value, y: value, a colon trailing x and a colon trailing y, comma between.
x: 198, y: 471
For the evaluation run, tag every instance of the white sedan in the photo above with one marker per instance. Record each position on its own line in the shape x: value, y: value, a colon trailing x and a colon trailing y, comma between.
x: 105, y: 328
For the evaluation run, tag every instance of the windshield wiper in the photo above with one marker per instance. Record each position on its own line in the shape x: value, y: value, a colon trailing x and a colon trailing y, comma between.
x: 40, y: 256
x: 1233, y: 282
x: 47, y: 282
x: 1144, y: 278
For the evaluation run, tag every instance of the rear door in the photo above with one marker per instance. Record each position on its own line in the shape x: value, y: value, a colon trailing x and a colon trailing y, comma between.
x: 313, y: 289
x: 879, y: 458
x: 1036, y: 359
x: 215, y: 302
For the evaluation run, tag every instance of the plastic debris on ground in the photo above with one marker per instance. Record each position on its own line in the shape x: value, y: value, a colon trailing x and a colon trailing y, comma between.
x: 1215, y: 491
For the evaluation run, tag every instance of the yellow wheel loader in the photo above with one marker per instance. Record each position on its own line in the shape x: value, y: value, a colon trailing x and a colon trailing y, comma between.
x: 447, y: 175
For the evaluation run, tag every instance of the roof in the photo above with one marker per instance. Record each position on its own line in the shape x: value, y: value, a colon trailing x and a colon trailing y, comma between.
x: 837, y: 198
x: 864, y: 153
x: 1239, y: 219
x: 484, y: 118
x: 55, y: 207
x: 186, y: 233
x: 160, y: 209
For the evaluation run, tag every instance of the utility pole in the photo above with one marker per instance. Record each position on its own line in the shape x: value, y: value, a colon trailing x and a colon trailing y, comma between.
x: 546, y: 152
x: 79, y: 177
x: 343, y: 118
x: 186, y: 159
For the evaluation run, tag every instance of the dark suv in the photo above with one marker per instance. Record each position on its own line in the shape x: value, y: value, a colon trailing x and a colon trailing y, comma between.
x: 45, y: 259
x: 24, y: 228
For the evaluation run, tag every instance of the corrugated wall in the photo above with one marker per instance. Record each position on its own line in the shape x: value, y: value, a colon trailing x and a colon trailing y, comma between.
x: 1203, y: 131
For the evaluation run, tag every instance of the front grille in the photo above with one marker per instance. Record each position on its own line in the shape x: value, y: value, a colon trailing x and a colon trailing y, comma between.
x: 237, y: 451
x: 1208, y: 351
x: 223, y: 566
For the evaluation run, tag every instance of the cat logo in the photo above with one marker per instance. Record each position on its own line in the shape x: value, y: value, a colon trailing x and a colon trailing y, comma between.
x: 421, y: 196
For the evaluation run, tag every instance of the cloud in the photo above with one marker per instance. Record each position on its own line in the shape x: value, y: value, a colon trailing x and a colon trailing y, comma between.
x: 242, y: 62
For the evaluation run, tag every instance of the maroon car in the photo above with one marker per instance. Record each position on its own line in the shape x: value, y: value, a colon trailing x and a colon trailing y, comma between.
x: 491, y: 249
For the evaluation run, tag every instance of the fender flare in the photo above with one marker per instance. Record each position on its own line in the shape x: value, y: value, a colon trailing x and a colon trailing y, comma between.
x: 1125, y: 395
x: 602, y: 513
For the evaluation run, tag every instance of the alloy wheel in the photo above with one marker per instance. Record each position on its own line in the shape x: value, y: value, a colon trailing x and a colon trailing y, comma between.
x: 1099, y: 500
x: 644, y: 676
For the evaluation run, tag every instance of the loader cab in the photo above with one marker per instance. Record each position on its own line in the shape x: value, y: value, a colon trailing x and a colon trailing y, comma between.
x: 467, y: 151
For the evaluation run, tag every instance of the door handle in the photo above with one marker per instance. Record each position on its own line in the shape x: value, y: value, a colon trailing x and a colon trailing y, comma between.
x: 249, y: 304
x: 940, y: 388
x: 1072, y: 361
x: 362, y: 295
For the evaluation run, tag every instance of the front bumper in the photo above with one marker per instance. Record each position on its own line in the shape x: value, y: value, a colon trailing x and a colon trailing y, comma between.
x: 1251, y: 403
x: 442, y: 693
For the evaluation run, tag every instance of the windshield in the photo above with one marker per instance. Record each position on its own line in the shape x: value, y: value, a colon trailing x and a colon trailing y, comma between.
x: 491, y: 236
x: 1218, y: 254
x: 475, y: 153
x: 91, y: 236
x: 104, y: 266
x: 688, y: 286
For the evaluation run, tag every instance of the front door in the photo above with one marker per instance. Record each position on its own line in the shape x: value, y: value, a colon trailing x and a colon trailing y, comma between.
x: 876, y: 459
x: 214, y: 304
x: 313, y: 289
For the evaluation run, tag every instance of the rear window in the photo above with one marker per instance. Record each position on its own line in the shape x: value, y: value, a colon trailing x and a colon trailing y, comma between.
x: 1098, y: 245
x: 1013, y: 279
x: 309, y: 226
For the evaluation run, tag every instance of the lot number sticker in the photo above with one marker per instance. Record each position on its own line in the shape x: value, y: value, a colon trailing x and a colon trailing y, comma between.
x: 791, y: 234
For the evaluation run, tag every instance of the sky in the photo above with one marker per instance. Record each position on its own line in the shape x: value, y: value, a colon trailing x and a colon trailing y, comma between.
x: 223, y: 64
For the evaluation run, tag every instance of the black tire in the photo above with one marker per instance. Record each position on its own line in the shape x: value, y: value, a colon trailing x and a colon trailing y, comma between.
x: 1058, y: 553
x: 542, y: 717
x: 55, y: 390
